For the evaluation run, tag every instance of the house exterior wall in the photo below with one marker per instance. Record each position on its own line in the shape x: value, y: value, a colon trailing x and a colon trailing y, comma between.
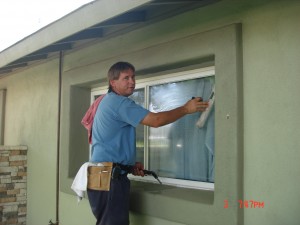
x: 271, y: 74
x: 31, y: 119
x: 270, y: 128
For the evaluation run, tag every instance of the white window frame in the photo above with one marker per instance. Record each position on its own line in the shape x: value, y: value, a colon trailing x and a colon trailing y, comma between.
x: 155, y: 80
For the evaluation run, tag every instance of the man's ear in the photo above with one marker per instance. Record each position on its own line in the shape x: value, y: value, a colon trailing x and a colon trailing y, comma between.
x: 112, y: 83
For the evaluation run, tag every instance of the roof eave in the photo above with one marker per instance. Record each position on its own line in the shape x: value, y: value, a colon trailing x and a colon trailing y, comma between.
x: 93, y: 13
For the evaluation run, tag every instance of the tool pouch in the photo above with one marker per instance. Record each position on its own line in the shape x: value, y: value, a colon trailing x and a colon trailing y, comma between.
x: 99, y: 177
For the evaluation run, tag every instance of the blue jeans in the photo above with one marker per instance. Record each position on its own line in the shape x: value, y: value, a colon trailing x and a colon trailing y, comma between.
x: 111, y: 207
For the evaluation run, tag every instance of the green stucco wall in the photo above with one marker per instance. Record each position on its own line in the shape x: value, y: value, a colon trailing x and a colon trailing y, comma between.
x: 31, y: 119
x: 271, y: 76
x: 270, y: 125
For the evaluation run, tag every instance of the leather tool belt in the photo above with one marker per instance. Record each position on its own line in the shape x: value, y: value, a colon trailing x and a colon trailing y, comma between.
x: 99, y: 177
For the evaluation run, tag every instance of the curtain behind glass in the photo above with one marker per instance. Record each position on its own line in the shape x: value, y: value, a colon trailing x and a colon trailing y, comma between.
x: 181, y: 150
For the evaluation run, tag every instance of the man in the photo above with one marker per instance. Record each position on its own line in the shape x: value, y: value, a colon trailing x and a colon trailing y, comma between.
x: 113, y: 140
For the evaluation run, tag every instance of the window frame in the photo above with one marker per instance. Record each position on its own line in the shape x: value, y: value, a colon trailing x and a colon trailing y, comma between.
x: 146, y: 83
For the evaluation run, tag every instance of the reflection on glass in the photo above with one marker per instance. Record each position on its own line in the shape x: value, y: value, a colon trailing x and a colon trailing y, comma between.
x: 181, y: 150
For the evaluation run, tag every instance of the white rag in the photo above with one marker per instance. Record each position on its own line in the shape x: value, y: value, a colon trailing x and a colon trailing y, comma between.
x: 79, y: 184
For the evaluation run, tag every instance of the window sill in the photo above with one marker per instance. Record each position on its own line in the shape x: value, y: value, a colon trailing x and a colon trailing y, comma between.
x: 197, y: 185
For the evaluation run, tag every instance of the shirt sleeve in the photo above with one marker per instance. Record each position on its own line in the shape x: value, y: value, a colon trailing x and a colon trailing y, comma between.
x: 132, y: 113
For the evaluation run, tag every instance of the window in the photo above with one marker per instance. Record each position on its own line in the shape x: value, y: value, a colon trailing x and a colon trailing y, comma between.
x: 181, y: 153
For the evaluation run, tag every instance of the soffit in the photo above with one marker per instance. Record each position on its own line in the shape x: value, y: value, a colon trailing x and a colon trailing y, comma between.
x: 149, y: 11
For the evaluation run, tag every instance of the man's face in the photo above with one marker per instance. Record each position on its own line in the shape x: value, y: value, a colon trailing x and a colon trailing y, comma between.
x: 125, y: 85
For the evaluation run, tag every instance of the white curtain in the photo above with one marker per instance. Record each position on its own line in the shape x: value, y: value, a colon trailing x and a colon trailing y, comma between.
x: 182, y: 150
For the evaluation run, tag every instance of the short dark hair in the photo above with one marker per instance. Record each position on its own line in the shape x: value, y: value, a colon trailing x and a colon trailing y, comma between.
x: 116, y: 69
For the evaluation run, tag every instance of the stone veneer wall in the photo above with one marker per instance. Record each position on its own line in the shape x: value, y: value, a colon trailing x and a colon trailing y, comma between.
x: 13, y: 178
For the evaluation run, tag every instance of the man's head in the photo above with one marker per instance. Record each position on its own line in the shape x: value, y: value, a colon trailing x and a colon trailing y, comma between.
x: 121, y: 78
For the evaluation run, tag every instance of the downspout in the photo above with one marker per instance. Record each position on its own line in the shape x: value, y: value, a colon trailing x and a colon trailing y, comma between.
x: 58, y: 141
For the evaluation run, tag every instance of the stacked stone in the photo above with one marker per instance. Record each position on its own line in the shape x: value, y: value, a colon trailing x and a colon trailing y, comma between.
x: 13, y: 179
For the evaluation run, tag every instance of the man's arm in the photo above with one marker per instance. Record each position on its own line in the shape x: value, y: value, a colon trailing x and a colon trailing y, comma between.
x: 163, y: 118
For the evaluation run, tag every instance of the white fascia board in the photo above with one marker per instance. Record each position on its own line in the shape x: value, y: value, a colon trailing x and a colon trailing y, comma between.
x: 80, y: 19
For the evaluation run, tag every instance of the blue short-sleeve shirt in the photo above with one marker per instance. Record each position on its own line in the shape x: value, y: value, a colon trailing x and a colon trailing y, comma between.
x: 113, y: 132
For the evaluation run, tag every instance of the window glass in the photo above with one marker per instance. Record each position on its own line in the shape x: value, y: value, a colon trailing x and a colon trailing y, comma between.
x: 139, y: 97
x: 181, y: 150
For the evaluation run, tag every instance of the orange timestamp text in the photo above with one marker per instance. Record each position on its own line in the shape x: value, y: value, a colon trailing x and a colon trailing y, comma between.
x: 247, y: 204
